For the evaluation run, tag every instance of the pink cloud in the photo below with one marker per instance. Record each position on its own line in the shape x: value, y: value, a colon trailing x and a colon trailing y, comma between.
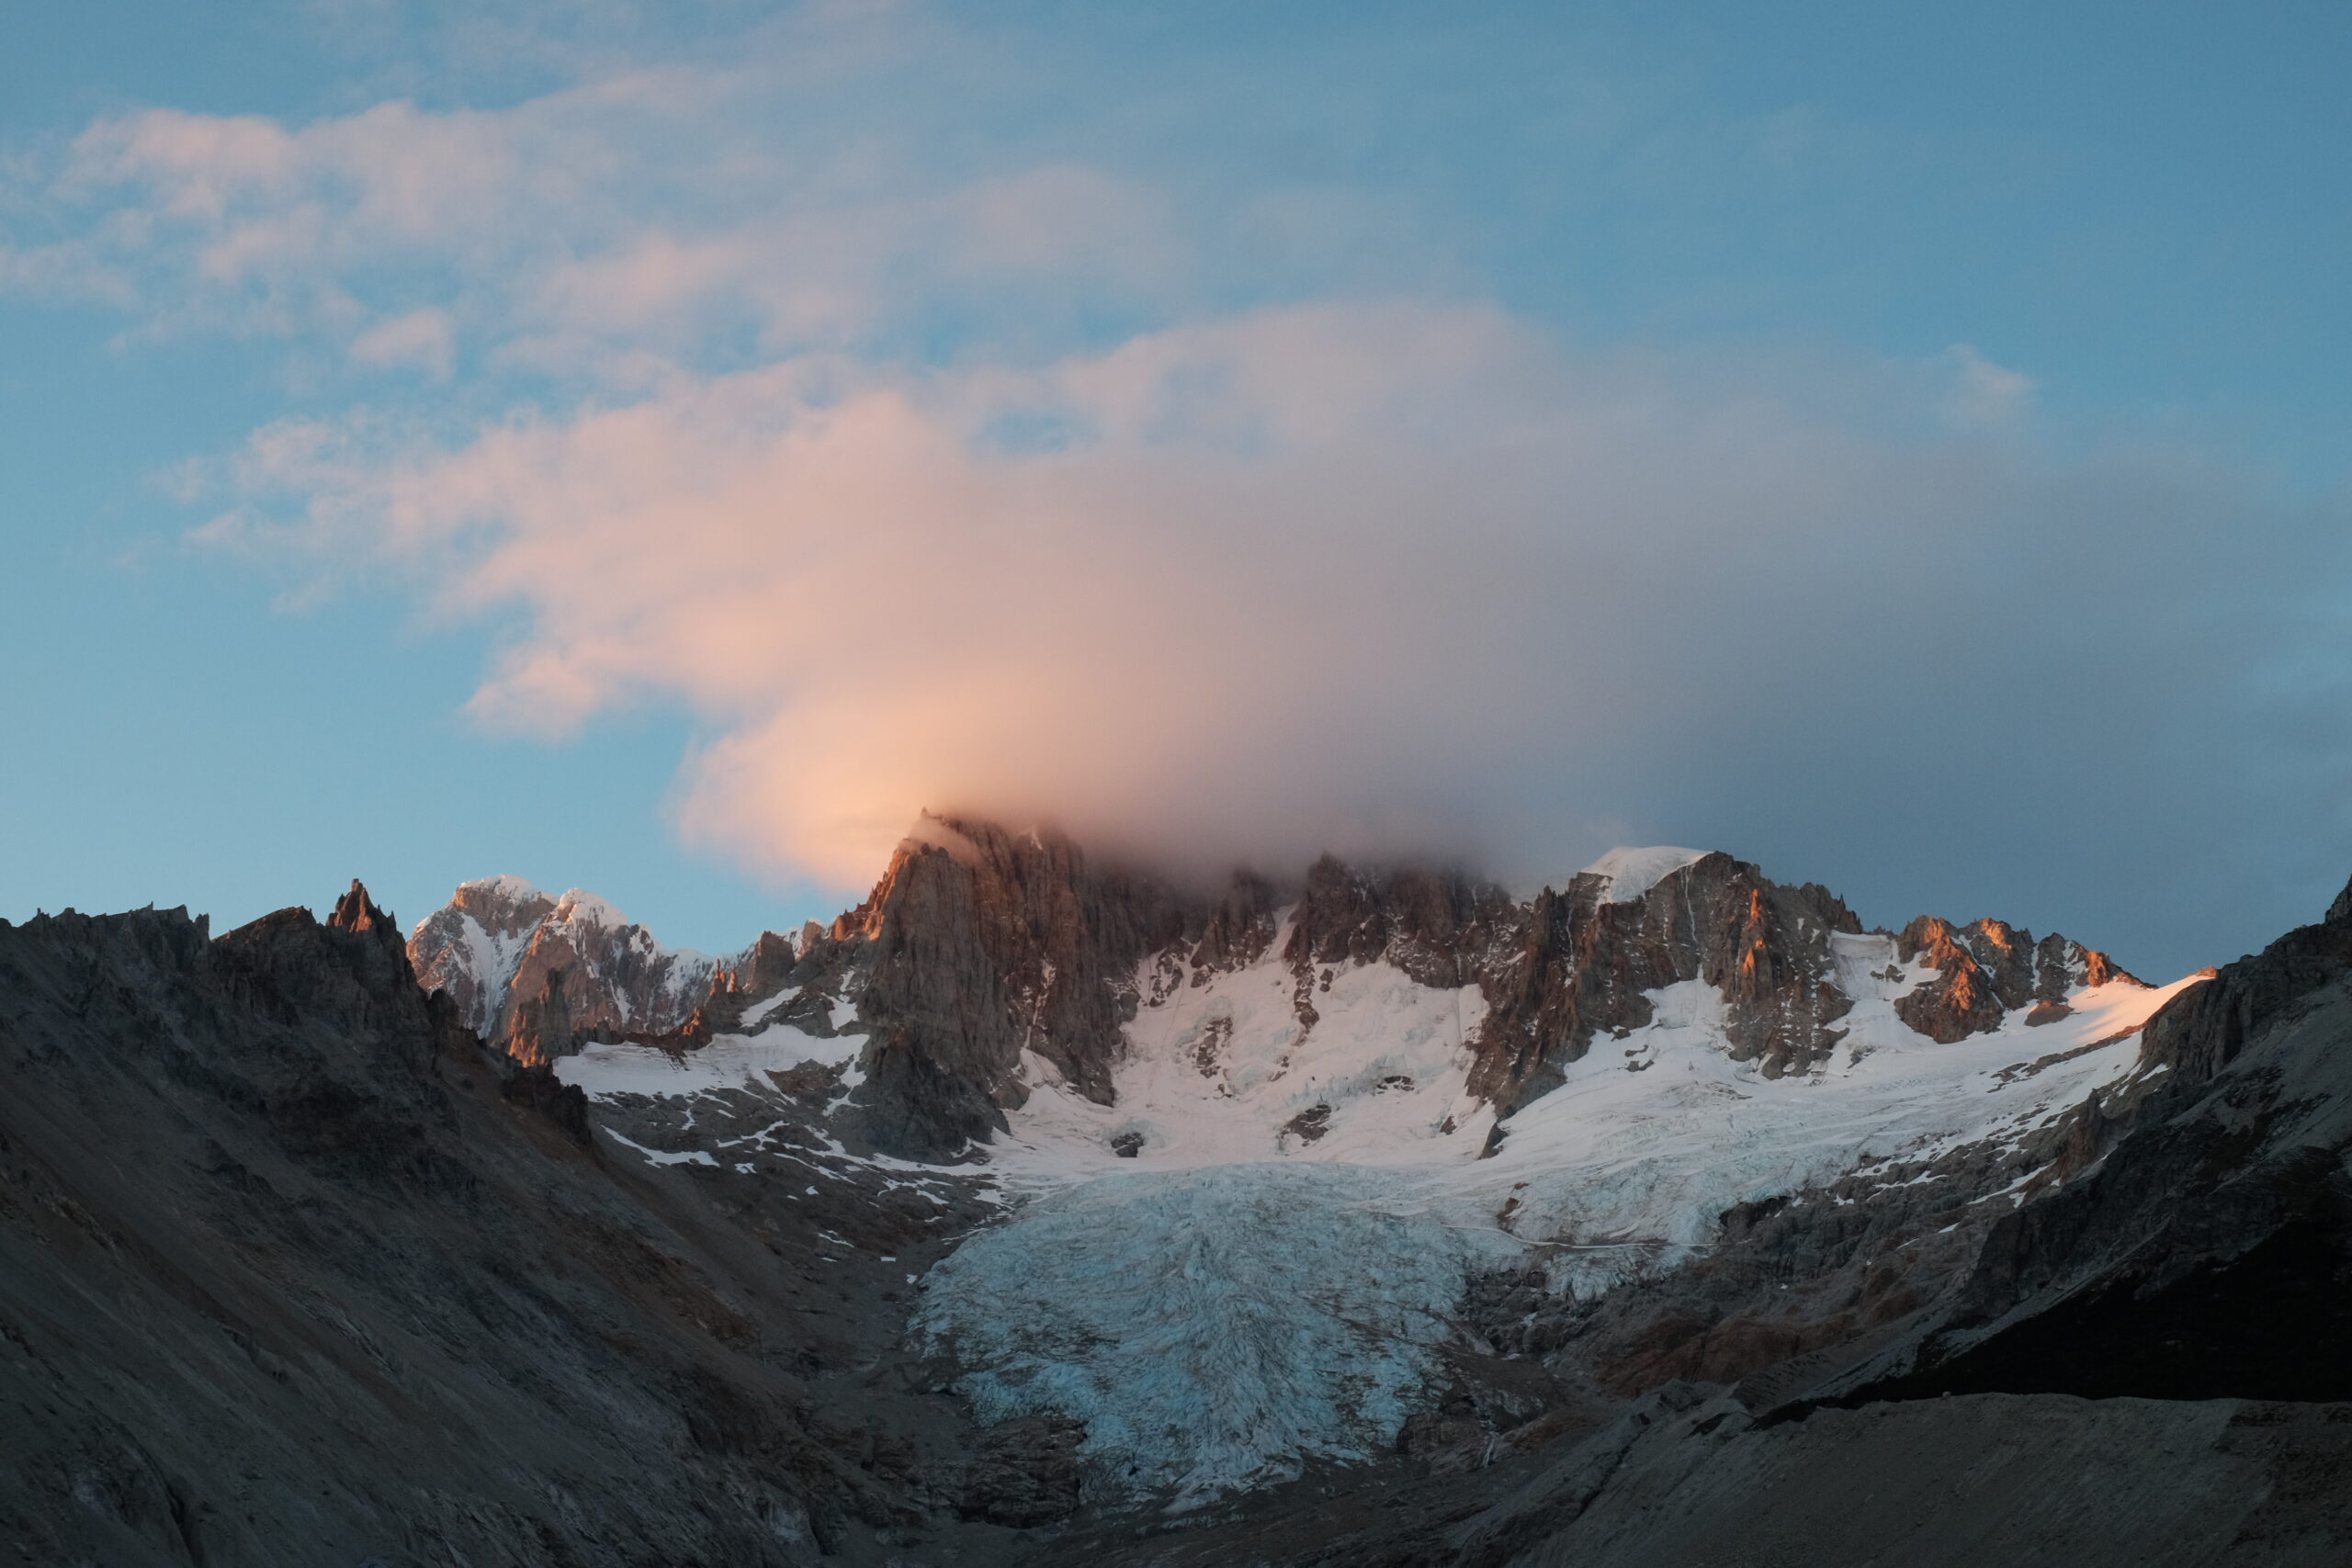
x: 645, y: 212
x: 1379, y: 574
x: 422, y: 340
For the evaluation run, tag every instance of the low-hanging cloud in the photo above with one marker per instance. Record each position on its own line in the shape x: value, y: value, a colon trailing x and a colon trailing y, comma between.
x: 1392, y: 578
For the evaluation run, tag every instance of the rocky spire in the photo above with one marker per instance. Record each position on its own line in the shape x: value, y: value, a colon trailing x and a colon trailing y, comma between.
x: 356, y: 913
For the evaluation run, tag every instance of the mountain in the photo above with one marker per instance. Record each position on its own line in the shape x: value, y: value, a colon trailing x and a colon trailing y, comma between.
x: 534, y: 975
x: 1044, y: 1210
x: 1427, y: 1045
x: 981, y: 947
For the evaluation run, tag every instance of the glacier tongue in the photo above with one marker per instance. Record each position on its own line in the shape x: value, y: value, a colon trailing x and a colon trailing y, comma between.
x: 1212, y: 1327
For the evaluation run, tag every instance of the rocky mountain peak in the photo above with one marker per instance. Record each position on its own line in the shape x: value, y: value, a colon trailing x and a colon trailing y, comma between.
x: 502, y: 902
x: 987, y: 960
x: 580, y: 909
x: 1641, y: 920
x: 2339, y: 913
x: 1628, y: 871
x: 981, y: 945
x: 1990, y: 968
x: 1442, y: 927
x: 536, y: 975
x: 356, y: 912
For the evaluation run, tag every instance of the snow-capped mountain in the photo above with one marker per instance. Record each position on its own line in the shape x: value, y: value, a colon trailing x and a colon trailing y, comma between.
x: 988, y: 965
x: 535, y: 974
x: 1404, y: 1080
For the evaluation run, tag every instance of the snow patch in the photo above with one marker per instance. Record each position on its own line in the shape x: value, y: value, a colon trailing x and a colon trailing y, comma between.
x: 507, y: 888
x: 760, y: 1013
x: 730, y: 1061
x: 662, y: 1157
x: 1216, y: 1073
x: 1627, y: 872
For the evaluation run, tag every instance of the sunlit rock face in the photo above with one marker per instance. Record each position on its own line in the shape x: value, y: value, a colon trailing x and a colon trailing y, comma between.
x: 471, y: 945
x: 985, y: 957
x: 1989, y: 969
x: 536, y: 975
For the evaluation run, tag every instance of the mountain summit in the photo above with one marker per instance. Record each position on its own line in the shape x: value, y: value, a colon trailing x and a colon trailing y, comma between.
x: 986, y: 958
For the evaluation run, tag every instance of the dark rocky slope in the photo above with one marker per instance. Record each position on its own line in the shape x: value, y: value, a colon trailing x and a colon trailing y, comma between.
x: 1686, y: 1478
x: 2207, y: 1249
x: 292, y: 1270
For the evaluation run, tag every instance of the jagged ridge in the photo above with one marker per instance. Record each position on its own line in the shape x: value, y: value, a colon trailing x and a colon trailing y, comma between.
x: 979, y: 944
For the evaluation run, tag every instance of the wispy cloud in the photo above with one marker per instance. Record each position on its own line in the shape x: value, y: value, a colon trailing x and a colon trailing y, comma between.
x: 660, y: 210
x: 422, y: 340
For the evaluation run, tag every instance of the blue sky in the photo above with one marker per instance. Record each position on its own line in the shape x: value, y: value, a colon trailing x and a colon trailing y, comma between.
x: 1905, y: 450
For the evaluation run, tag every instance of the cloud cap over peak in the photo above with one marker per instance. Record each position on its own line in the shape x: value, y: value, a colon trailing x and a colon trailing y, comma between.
x: 1384, y: 576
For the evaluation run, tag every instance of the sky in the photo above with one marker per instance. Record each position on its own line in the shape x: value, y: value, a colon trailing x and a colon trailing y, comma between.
x: 660, y: 448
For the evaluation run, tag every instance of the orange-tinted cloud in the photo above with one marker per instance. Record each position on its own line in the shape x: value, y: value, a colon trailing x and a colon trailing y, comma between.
x: 1387, y: 576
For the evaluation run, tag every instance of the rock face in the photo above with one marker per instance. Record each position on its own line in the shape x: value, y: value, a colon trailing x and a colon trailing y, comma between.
x: 1584, y: 961
x: 536, y: 975
x: 1988, y: 969
x: 981, y: 947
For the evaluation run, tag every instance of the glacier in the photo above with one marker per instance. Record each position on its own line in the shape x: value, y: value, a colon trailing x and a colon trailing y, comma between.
x: 1213, y: 1328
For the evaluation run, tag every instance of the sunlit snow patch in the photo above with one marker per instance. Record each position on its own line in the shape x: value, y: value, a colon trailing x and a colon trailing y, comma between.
x: 1212, y: 1327
x: 1628, y: 871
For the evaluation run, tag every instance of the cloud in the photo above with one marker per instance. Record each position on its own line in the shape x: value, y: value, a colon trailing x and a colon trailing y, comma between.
x: 1388, y: 576
x: 422, y: 340
x: 656, y: 210
x: 1984, y: 394
x: 936, y: 449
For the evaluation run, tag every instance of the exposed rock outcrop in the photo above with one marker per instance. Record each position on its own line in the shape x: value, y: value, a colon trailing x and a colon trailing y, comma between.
x: 1988, y: 969
x: 536, y: 976
x: 1584, y: 962
x: 978, y: 945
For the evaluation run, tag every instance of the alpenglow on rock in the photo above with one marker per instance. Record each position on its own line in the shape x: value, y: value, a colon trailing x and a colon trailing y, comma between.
x: 983, y: 949
x: 535, y: 975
